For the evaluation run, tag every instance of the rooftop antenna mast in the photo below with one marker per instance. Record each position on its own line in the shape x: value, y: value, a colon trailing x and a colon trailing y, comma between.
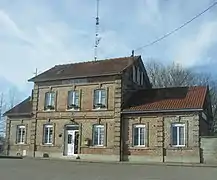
x: 97, y: 38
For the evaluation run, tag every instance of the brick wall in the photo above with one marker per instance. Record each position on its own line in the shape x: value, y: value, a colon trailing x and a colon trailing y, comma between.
x: 158, y: 139
x: 12, y: 146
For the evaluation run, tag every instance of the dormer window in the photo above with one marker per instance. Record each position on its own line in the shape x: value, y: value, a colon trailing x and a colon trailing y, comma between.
x: 49, y: 101
x: 99, y: 99
x: 73, y: 100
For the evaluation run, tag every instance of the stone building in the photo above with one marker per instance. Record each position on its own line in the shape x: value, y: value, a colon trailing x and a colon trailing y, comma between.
x: 107, y: 110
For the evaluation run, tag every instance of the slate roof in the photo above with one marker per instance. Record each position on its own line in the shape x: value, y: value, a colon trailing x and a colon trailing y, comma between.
x: 23, y: 108
x: 86, y: 69
x: 177, y: 98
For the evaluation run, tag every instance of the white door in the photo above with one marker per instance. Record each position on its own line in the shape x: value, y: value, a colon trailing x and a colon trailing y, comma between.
x: 72, y: 144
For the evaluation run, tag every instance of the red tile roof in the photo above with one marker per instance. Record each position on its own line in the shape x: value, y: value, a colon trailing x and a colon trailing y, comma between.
x: 177, y: 98
x: 86, y: 69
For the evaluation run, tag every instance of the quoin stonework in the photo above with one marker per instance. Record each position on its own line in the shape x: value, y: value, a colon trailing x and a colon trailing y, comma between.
x: 107, y: 110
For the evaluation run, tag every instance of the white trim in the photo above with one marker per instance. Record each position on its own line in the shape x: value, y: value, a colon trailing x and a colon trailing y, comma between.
x: 49, y: 141
x: 139, y: 126
x: 21, y: 138
x: 178, y: 125
x: 98, y: 127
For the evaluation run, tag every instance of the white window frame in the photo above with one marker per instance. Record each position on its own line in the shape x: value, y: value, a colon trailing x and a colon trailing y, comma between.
x: 19, y: 139
x: 100, y: 97
x: 50, y: 99
x: 139, y: 126
x: 178, y: 125
x: 98, y: 126
x: 49, y: 141
x: 73, y: 98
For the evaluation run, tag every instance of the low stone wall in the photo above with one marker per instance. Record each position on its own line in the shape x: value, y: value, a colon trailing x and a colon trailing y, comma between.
x: 209, y: 149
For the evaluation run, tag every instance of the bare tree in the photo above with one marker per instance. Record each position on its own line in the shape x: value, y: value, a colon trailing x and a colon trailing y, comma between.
x: 174, y: 75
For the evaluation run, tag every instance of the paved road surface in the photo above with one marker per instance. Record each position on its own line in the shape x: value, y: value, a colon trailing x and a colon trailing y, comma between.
x: 63, y: 170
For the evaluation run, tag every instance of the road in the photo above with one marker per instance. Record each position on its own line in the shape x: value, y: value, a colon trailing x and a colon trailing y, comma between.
x: 28, y: 169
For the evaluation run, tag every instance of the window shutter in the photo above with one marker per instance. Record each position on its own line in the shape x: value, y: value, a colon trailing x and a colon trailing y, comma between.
x: 171, y: 135
x: 107, y: 97
x: 26, y: 134
x: 54, y: 133
x: 80, y: 99
x: 16, y: 133
x: 55, y: 100
x: 186, y: 133
x: 43, y: 136
x: 147, y: 135
x: 105, y: 134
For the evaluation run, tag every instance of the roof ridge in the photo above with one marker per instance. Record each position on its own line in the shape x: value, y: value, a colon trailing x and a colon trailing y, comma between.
x: 100, y: 60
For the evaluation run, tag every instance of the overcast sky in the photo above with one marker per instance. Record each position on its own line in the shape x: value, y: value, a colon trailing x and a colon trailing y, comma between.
x: 42, y: 33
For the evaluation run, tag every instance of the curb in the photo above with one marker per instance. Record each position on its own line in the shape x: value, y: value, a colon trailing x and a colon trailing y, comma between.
x: 11, y: 157
x: 129, y: 163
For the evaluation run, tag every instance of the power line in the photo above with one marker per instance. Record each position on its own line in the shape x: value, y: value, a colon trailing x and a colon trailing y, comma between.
x: 180, y: 27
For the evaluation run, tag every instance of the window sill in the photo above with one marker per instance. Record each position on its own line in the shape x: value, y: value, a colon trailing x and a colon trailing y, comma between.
x: 97, y: 147
x: 49, y: 110
x: 47, y: 145
x: 139, y: 147
x: 99, y: 109
x: 20, y: 144
x: 73, y: 109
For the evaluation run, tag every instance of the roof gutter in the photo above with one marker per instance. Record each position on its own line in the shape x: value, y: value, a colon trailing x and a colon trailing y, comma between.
x: 65, y: 78
x: 18, y: 114
x: 159, y: 111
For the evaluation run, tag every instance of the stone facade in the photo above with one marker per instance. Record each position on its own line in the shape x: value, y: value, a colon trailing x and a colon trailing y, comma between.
x: 13, y: 147
x: 118, y: 130
x: 158, y: 147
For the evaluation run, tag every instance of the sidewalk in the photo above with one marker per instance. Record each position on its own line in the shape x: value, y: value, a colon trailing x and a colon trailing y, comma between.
x: 130, y: 163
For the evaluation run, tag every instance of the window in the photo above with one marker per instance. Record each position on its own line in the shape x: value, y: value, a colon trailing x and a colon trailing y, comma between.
x: 178, y: 135
x: 142, y: 79
x: 139, y: 135
x: 134, y: 73
x: 138, y: 76
x: 21, y: 134
x: 73, y: 100
x: 99, y: 98
x: 48, y: 134
x: 98, y: 135
x: 49, y: 101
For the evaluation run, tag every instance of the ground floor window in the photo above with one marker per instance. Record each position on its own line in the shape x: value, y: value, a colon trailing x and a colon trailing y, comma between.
x: 48, y: 134
x: 139, y: 135
x: 21, y: 134
x: 98, y: 135
x: 178, y: 135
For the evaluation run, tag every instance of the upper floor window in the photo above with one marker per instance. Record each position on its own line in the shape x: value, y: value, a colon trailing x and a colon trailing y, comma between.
x: 49, y: 101
x: 139, y: 135
x: 138, y: 76
x: 178, y: 135
x: 142, y: 78
x: 134, y: 73
x: 73, y: 99
x: 98, y: 135
x: 21, y: 134
x: 48, y: 134
x: 99, y: 98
